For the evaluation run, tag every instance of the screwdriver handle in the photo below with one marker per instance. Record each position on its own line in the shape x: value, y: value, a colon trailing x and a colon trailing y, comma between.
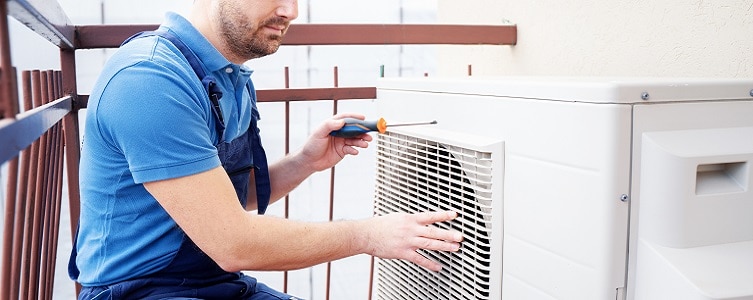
x: 356, y: 127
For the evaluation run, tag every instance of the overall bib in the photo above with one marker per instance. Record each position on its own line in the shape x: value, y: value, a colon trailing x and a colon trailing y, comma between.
x: 192, y: 274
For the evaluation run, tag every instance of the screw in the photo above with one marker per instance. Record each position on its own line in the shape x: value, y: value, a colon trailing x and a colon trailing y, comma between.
x: 644, y: 95
x: 751, y: 93
x: 624, y: 198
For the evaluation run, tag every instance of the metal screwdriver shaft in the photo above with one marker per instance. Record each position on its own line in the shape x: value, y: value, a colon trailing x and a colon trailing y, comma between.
x: 413, y: 124
x: 356, y: 127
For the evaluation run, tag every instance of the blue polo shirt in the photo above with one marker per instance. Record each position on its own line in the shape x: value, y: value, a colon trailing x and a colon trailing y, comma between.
x: 149, y: 118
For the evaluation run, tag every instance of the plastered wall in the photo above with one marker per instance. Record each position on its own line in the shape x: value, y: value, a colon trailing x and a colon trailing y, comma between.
x: 665, y: 38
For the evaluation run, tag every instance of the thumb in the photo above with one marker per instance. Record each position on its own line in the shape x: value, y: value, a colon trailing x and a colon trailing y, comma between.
x: 335, y: 123
x: 328, y: 126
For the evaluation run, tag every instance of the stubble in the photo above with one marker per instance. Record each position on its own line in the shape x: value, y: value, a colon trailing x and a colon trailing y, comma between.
x: 245, y: 39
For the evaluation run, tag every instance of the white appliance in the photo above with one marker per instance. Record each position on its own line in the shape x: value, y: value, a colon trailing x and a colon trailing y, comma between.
x: 429, y: 169
x: 610, y: 188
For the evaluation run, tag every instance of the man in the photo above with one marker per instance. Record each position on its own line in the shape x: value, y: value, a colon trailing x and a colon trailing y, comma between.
x: 169, y: 148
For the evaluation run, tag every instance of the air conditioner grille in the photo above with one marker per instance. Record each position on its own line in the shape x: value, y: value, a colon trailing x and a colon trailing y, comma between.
x: 415, y: 175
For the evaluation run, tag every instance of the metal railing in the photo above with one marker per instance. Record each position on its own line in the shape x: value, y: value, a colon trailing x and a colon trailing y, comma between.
x: 36, y: 143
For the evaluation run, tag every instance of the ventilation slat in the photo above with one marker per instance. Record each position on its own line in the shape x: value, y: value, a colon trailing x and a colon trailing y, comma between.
x: 415, y: 175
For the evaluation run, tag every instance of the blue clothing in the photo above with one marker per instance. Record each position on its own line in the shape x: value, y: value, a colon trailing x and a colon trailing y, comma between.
x: 149, y: 119
x: 232, y: 287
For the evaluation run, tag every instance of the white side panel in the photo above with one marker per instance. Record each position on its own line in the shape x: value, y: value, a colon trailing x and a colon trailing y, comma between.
x: 686, y: 117
x: 723, y: 271
x: 695, y: 187
x: 567, y: 164
x: 695, y: 230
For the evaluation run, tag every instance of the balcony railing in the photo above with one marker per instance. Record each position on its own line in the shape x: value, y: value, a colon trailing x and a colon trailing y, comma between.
x: 37, y: 143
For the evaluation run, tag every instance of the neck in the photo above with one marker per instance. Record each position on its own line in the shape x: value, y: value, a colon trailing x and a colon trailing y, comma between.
x: 200, y: 18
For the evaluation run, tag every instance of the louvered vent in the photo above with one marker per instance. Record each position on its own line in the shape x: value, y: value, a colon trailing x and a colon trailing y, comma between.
x: 417, y: 172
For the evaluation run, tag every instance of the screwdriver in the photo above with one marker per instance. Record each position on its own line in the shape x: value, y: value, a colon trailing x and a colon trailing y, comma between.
x: 356, y: 127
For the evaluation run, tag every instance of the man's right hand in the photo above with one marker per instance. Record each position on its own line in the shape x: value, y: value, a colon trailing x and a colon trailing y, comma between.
x: 399, y: 235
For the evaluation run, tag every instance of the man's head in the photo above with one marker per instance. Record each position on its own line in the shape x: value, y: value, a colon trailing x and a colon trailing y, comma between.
x: 244, y: 29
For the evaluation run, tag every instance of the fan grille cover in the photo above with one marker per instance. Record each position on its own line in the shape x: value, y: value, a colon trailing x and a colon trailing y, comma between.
x: 417, y: 174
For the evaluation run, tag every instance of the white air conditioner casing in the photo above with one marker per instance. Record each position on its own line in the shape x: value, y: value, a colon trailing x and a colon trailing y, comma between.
x: 613, y: 188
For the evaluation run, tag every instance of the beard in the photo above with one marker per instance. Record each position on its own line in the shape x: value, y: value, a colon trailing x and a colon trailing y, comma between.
x: 248, y: 40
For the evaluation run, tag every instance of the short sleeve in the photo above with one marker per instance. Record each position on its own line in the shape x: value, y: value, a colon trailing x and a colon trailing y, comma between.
x: 158, y: 119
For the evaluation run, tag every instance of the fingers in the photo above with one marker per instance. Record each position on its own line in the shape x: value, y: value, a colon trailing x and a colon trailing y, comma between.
x: 427, y: 218
x: 421, y: 260
x: 348, y: 115
x: 433, y: 238
x: 336, y: 122
x: 328, y: 126
x: 434, y: 233
x: 349, y: 145
x: 401, y: 235
x: 347, y: 150
x: 361, y: 141
x: 438, y: 245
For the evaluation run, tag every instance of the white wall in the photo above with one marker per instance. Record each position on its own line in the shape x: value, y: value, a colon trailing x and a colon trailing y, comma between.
x: 668, y: 38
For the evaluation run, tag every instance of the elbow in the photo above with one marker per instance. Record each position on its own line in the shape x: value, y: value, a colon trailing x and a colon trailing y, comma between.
x: 238, y: 260
x: 229, y: 265
x: 232, y: 261
x: 224, y: 256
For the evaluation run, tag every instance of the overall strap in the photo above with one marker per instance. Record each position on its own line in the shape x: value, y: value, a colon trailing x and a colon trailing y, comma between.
x: 208, y: 81
x: 261, y: 168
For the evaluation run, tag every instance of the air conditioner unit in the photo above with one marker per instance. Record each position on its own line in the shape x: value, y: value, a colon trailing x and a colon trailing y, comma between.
x: 613, y: 188
x: 424, y: 169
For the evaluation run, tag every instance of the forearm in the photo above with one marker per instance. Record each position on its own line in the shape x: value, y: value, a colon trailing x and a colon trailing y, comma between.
x: 276, y: 244
x: 287, y: 174
x: 239, y: 240
x: 284, y: 176
x: 321, y: 152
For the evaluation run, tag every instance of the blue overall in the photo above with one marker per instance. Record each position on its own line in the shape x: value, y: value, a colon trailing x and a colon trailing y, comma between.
x: 192, y: 274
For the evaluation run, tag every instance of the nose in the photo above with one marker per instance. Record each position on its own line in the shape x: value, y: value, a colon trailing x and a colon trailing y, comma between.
x: 288, y: 9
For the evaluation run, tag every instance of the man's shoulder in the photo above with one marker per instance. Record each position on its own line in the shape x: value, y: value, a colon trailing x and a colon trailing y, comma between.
x: 146, y: 72
x: 148, y: 64
x: 150, y: 52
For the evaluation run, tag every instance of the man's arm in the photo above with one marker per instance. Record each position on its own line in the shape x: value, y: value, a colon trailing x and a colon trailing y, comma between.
x: 321, y: 152
x: 205, y: 206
